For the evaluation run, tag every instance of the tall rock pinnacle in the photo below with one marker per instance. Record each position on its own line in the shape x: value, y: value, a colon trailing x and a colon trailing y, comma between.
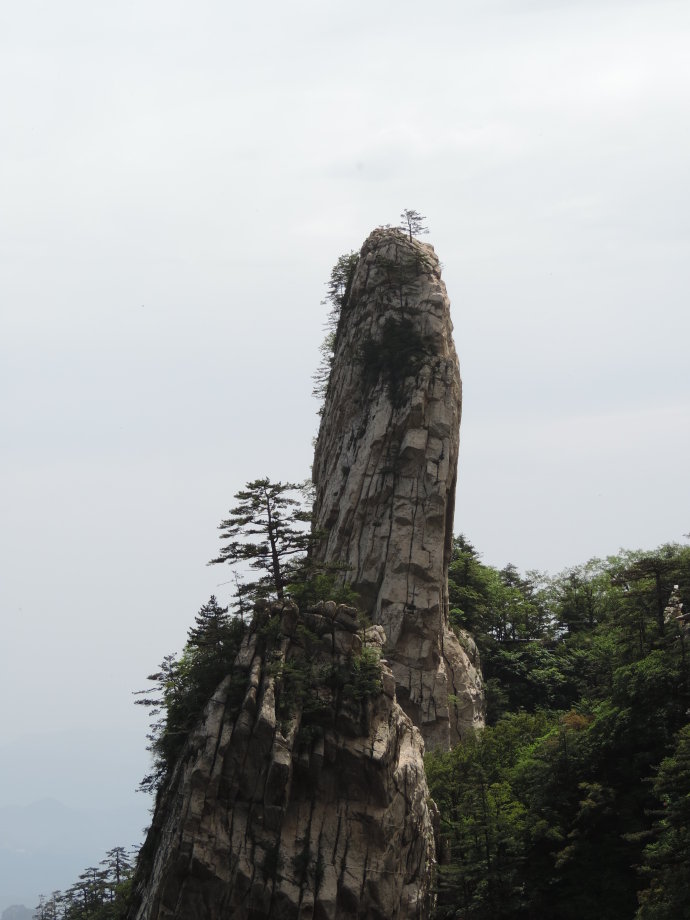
x: 279, y: 809
x: 300, y: 792
x: 385, y: 471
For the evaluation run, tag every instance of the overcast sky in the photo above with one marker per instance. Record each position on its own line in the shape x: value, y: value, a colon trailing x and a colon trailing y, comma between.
x: 176, y: 181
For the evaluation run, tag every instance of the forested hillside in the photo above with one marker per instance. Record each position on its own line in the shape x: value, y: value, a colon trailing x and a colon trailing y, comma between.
x: 574, y: 801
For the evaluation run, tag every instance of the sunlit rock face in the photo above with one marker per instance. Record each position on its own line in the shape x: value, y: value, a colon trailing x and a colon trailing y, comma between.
x: 385, y: 471
x: 322, y: 814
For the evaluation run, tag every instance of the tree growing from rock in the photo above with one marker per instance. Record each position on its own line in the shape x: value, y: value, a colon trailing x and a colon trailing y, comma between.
x: 339, y: 285
x: 212, y: 627
x: 412, y: 222
x: 270, y: 512
x: 182, y: 687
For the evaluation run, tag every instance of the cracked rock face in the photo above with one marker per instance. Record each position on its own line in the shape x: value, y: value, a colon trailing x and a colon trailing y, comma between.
x: 318, y: 809
x: 385, y: 470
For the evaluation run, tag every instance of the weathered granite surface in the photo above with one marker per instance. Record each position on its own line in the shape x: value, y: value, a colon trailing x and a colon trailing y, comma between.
x: 674, y: 616
x: 323, y: 813
x: 312, y: 803
x: 385, y: 471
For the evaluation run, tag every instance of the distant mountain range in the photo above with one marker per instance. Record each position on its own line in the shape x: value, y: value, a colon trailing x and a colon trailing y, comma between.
x: 17, y: 912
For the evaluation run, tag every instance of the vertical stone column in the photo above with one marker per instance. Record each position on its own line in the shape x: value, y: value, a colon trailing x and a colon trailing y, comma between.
x: 385, y: 470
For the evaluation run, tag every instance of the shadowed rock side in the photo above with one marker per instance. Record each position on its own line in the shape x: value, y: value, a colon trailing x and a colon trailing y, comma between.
x: 385, y: 470
x: 303, y: 798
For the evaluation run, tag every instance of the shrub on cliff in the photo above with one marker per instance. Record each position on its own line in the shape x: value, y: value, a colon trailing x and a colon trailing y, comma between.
x: 182, y: 687
x: 339, y: 285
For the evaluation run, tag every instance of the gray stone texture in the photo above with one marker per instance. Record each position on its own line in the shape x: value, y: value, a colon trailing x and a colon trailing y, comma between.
x: 267, y: 813
x: 385, y: 470
x: 262, y: 819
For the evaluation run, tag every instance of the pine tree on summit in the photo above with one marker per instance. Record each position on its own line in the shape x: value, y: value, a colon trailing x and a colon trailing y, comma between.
x: 268, y: 511
x: 412, y: 222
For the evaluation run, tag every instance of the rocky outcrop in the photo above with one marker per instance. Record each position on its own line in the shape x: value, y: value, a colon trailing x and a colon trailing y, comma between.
x: 673, y: 613
x: 303, y: 795
x: 385, y: 472
x: 301, y: 792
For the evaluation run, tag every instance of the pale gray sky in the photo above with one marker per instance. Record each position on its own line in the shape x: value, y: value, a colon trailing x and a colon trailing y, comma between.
x: 176, y: 181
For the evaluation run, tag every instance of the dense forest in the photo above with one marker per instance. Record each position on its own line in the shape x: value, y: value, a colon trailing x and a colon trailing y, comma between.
x: 573, y: 802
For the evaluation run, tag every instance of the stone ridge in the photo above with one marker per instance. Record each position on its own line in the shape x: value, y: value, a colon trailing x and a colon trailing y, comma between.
x: 385, y: 469
x: 324, y: 814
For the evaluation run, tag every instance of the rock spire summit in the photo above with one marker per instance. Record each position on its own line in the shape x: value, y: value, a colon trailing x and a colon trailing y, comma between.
x: 385, y: 470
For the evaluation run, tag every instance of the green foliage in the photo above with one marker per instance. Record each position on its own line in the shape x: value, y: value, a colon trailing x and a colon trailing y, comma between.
x: 666, y: 861
x: 322, y: 586
x: 412, y: 222
x: 339, y: 285
x: 397, y: 354
x: 317, y: 688
x: 364, y: 677
x: 267, y: 510
x: 483, y: 823
x: 181, y: 688
x: 548, y: 811
x: 399, y: 351
x: 514, y: 628
x: 101, y: 892
x: 571, y: 805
